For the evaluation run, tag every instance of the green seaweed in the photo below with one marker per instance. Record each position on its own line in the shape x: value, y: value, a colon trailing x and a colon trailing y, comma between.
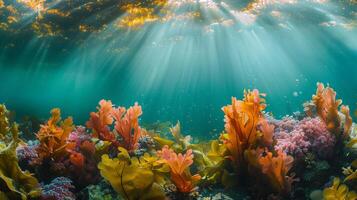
x: 14, y: 183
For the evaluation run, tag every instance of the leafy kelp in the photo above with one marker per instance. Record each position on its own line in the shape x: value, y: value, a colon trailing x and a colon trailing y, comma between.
x: 15, y: 183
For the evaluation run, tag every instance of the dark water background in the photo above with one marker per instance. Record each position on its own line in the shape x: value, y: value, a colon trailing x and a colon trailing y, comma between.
x: 185, y: 70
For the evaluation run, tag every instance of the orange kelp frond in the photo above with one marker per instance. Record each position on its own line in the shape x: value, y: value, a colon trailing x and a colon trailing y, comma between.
x: 327, y: 109
x: 325, y: 101
x: 267, y: 131
x: 241, y: 120
x: 177, y: 162
x: 256, y: 98
x: 54, y: 134
x: 345, y: 110
x: 105, y: 111
x: 127, y: 125
x: 100, y: 120
x: 179, y: 166
x: 277, y: 168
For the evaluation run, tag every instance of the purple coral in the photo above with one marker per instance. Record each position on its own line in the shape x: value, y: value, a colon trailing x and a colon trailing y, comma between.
x: 59, y: 189
x: 78, y: 135
x: 26, y: 153
x: 294, y: 143
x: 322, y: 141
x: 308, y: 135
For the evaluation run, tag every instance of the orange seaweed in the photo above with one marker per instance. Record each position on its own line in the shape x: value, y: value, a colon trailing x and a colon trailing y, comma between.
x: 327, y: 106
x: 127, y: 125
x: 53, y: 136
x: 327, y: 109
x: 241, y: 120
x: 77, y: 159
x: 179, y: 167
x: 100, y: 121
x: 276, y: 168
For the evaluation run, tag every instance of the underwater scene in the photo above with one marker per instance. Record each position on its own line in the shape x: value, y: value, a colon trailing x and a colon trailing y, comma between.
x: 178, y: 99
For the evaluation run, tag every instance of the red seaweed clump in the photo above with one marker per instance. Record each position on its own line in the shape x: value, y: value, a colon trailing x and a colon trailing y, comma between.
x: 126, y: 131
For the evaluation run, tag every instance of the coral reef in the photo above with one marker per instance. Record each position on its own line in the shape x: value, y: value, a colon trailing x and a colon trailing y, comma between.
x: 256, y: 157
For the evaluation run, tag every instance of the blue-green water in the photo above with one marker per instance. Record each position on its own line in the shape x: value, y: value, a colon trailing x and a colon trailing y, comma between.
x: 183, y: 68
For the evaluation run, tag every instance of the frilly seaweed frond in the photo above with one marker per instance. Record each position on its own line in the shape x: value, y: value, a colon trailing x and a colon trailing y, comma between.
x: 100, y: 121
x: 277, y: 168
x: 241, y: 121
x: 327, y: 108
x: 133, y: 178
x: 210, y: 160
x: 179, y: 167
x: 338, y: 191
x: 14, y: 183
x: 126, y: 124
x: 53, y: 136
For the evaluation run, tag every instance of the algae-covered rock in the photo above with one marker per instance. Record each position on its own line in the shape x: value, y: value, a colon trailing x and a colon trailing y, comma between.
x: 14, y: 183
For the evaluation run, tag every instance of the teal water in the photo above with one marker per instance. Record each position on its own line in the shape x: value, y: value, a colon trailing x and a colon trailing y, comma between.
x: 184, y: 68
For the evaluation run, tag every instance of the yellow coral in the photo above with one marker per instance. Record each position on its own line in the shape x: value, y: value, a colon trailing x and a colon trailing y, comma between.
x: 338, y: 191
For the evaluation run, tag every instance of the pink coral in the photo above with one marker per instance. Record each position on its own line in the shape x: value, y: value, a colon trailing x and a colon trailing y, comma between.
x: 309, y: 134
x: 322, y: 141
x: 59, y: 188
x: 294, y: 143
